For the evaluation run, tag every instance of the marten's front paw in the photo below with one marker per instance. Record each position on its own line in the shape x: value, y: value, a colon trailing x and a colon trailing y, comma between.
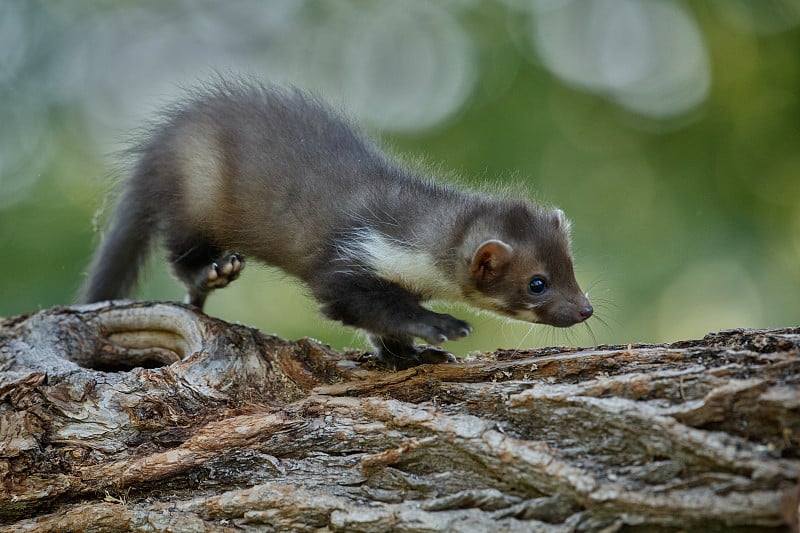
x: 438, y: 328
x: 219, y: 273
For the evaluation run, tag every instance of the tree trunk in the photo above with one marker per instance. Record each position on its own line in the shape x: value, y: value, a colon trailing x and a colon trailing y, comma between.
x: 154, y: 417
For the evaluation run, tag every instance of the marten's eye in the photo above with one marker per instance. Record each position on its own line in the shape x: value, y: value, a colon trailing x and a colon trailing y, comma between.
x: 537, y: 285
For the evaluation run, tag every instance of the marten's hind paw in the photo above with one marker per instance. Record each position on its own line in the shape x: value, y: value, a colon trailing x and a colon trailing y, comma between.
x: 413, y: 356
x: 434, y: 355
x: 214, y: 276
x: 221, y: 272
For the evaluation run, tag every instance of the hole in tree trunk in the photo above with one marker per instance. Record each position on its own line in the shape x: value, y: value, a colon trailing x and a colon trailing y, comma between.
x: 140, y: 338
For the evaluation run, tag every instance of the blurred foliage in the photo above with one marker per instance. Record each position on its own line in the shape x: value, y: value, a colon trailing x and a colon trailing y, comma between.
x: 673, y: 146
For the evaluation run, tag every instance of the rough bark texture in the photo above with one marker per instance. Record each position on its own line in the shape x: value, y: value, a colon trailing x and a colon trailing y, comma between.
x: 221, y: 428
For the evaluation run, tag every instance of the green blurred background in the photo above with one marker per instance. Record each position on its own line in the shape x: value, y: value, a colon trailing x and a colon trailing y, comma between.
x: 668, y: 131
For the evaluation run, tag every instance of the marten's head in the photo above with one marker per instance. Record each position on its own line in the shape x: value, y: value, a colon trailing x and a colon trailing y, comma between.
x: 521, y: 267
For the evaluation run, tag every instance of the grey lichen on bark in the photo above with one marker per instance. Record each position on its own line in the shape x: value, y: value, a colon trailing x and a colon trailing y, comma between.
x: 150, y: 417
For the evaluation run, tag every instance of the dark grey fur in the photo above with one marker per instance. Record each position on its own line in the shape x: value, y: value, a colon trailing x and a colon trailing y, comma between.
x: 274, y: 174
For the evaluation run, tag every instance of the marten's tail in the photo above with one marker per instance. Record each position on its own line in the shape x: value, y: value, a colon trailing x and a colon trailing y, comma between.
x: 115, y: 267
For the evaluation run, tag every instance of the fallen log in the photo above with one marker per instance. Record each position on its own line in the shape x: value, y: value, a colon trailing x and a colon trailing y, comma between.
x: 155, y: 417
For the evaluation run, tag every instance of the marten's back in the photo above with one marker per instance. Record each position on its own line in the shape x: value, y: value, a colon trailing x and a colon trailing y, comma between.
x: 264, y: 170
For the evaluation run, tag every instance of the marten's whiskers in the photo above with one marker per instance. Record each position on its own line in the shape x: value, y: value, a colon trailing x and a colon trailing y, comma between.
x: 522, y: 341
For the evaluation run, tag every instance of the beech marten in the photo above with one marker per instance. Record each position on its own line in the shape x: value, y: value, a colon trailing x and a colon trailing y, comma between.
x: 271, y: 173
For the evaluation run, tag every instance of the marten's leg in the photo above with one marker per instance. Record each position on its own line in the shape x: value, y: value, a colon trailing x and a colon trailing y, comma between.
x: 199, y: 264
x: 391, y: 314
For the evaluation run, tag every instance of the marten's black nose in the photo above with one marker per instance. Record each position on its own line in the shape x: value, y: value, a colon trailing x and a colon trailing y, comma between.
x: 586, y: 312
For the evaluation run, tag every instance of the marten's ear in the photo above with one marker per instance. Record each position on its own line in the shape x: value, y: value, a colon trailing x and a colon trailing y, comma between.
x: 490, y: 259
x: 560, y: 221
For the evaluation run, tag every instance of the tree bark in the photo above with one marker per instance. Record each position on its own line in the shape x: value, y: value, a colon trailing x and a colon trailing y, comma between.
x: 155, y: 417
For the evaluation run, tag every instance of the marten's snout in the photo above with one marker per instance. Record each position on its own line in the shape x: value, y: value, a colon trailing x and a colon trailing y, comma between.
x: 566, y: 312
x: 582, y: 309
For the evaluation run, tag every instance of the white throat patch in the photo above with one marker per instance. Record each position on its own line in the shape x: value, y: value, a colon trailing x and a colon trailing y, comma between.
x: 399, y: 262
